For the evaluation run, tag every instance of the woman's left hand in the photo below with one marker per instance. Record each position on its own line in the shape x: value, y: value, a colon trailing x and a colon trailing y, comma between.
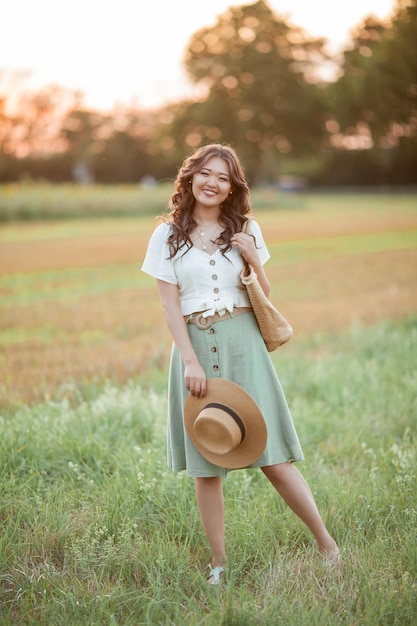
x: 246, y: 246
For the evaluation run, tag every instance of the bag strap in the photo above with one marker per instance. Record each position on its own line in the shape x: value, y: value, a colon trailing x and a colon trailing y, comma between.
x: 246, y: 223
x: 247, y: 268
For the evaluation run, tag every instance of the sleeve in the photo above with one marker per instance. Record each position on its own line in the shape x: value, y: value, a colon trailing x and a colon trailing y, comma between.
x: 156, y: 262
x: 255, y: 230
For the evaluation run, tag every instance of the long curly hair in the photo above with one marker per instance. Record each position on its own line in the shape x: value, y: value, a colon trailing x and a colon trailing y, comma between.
x: 234, y: 210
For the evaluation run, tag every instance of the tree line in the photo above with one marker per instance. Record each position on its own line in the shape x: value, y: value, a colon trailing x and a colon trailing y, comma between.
x: 262, y: 90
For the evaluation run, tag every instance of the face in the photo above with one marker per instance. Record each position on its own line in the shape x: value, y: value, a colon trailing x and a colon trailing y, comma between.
x: 211, y: 184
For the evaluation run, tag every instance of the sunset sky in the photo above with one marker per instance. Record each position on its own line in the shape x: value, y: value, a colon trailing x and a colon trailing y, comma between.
x: 130, y: 51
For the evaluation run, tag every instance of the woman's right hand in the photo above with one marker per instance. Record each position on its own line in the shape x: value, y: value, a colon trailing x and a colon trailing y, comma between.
x: 195, y: 379
x: 194, y: 376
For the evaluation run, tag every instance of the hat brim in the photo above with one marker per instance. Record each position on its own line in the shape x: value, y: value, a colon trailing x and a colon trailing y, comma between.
x: 233, y: 396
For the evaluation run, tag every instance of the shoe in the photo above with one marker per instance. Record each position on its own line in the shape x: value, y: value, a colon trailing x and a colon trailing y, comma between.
x: 215, y: 576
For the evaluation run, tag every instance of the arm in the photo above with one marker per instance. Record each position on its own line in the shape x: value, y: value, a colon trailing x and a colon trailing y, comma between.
x: 194, y: 376
x: 246, y: 245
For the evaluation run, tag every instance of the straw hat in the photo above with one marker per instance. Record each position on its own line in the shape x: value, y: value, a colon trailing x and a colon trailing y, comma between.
x: 226, y: 426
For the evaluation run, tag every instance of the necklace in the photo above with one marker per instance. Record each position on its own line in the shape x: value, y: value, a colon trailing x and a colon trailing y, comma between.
x: 207, y: 230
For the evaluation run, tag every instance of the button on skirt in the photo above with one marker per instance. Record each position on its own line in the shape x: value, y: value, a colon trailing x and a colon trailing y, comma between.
x: 231, y: 349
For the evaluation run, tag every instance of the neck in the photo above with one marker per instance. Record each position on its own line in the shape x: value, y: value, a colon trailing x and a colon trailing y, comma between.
x: 206, y: 218
x: 202, y: 223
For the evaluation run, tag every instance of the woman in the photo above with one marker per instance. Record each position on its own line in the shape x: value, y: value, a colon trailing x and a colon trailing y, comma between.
x: 196, y: 258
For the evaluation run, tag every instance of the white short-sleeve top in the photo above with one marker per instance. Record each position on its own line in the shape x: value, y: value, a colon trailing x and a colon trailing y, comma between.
x: 209, y: 283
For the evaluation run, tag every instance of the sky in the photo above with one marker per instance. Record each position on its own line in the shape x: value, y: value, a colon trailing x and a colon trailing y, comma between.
x: 129, y: 52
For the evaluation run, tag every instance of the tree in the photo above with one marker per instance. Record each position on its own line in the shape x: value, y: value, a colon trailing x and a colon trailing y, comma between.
x: 378, y: 86
x: 32, y: 125
x: 30, y: 132
x: 374, y: 101
x: 258, y: 76
x: 49, y: 134
x: 120, y: 148
x: 109, y: 148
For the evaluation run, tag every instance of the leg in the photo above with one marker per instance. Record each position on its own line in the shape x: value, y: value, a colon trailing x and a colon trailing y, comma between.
x: 294, y: 489
x: 209, y: 494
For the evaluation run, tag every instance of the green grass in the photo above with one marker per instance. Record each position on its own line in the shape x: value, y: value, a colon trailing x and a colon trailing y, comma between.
x: 33, y: 201
x: 43, y: 201
x: 307, y: 250
x: 95, y: 529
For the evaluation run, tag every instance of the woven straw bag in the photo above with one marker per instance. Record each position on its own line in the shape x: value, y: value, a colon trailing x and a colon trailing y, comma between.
x: 274, y: 327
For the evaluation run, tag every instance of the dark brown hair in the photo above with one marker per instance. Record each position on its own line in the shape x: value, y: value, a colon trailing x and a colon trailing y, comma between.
x: 234, y: 210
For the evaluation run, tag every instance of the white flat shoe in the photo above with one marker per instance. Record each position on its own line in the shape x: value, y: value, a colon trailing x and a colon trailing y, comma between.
x: 215, y: 576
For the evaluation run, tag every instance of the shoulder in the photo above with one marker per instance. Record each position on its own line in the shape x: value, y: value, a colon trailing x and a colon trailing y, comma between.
x: 157, y: 262
x: 162, y: 230
x: 161, y: 233
x: 254, y: 228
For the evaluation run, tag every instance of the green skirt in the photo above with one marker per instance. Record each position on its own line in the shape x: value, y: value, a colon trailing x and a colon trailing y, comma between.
x: 231, y: 349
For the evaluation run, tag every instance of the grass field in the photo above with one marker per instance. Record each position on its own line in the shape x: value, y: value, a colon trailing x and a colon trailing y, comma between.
x: 95, y: 529
x: 75, y: 307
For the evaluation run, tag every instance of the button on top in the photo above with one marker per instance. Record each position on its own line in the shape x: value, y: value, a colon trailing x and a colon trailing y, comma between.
x: 212, y: 262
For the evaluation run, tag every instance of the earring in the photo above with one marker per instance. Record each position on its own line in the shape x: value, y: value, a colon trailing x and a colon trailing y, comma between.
x: 230, y: 193
x: 189, y: 182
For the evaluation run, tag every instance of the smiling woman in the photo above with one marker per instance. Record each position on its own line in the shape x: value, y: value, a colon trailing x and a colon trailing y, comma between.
x: 208, y: 313
x: 125, y: 37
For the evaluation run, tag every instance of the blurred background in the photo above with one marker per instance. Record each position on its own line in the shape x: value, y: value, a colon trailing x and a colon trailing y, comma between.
x: 99, y: 104
x: 100, y: 101
x: 310, y: 94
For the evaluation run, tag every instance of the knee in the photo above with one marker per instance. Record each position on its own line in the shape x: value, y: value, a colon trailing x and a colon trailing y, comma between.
x: 277, y: 473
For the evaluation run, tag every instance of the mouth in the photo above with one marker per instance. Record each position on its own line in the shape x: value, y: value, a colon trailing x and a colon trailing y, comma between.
x: 209, y: 192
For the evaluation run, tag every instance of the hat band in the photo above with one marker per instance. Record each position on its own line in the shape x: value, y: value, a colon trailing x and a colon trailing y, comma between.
x: 231, y: 412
